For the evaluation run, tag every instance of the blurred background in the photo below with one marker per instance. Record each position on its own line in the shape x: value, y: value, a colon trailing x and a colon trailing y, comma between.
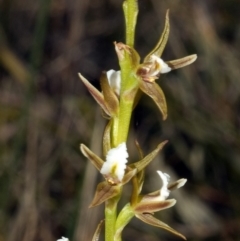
x: 46, y: 184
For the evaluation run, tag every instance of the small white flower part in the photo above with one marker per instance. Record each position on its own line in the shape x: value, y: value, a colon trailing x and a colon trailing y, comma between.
x: 164, y: 68
x: 114, y: 80
x: 181, y: 182
x: 116, y: 160
x: 164, y: 192
x: 63, y: 239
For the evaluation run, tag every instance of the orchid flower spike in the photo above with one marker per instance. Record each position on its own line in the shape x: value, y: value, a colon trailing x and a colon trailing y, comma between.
x: 114, y: 80
x: 114, y: 167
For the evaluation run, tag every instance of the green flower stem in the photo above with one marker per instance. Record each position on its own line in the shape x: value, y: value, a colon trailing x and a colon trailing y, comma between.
x: 123, y: 219
x: 110, y: 217
x: 120, y: 127
x: 129, y: 85
x: 115, y: 125
x: 129, y: 82
x: 121, y: 122
x: 130, y: 8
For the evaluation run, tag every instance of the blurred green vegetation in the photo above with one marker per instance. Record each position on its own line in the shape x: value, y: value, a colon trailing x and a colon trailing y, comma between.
x: 45, y: 112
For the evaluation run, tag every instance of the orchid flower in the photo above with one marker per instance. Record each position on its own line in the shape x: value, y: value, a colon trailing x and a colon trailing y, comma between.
x: 115, y: 165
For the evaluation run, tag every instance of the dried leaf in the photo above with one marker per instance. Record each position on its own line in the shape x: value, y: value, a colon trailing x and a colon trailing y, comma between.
x: 158, y: 50
x: 96, y: 160
x: 154, y: 91
x: 149, y: 219
x: 111, y: 100
x: 140, y: 165
x: 96, y: 94
x: 104, y: 192
x: 98, y: 231
x: 180, y: 63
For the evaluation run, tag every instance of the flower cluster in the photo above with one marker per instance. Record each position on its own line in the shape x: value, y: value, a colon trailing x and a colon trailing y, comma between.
x: 117, y: 98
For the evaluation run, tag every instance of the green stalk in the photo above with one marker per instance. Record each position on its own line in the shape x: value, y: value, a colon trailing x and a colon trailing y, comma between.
x: 120, y: 128
x: 129, y: 89
x: 128, y: 80
x: 130, y: 8
x: 110, y: 217
x: 123, y: 219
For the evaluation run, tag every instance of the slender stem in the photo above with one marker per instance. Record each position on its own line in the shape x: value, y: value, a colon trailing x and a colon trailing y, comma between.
x: 123, y: 219
x: 129, y: 86
x: 121, y: 122
x: 130, y: 8
x: 125, y: 114
x: 114, y: 133
x: 110, y: 217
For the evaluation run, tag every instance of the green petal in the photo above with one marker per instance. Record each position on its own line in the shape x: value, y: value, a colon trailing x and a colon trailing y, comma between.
x: 158, y: 50
x: 104, y: 192
x: 96, y: 160
x: 149, y: 219
x: 154, y: 91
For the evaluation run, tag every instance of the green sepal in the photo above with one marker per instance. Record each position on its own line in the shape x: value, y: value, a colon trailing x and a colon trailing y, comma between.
x: 127, y: 53
x: 137, y: 182
x: 96, y: 160
x: 111, y: 99
x: 152, y: 205
x: 175, y: 185
x: 140, y: 165
x: 107, y: 138
x: 180, y: 63
x: 149, y: 219
x: 96, y: 94
x: 104, y: 192
x: 153, y: 90
x: 158, y: 49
